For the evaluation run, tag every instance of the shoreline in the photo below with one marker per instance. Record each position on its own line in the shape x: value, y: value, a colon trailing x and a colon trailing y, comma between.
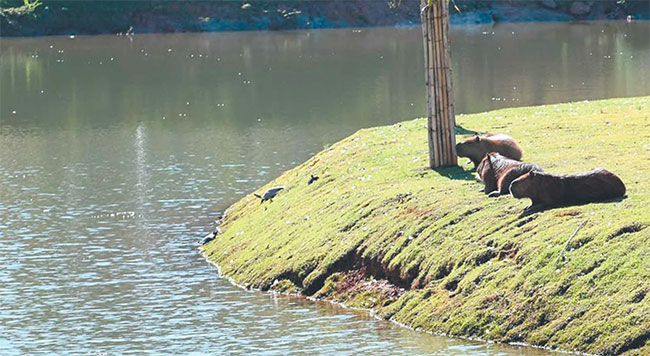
x: 66, y: 18
x: 372, y: 313
x: 379, y: 232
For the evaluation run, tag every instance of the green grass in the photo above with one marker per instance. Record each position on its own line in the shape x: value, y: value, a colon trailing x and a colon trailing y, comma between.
x: 26, y: 7
x: 469, y: 265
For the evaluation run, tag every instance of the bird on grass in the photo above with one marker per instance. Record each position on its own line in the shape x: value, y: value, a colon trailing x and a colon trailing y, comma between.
x: 209, y: 237
x: 269, y: 194
x: 312, y: 179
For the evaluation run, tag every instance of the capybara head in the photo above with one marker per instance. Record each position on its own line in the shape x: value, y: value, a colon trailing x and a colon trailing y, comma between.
x: 523, y: 186
x: 483, y: 166
x: 487, y: 164
x: 468, y: 147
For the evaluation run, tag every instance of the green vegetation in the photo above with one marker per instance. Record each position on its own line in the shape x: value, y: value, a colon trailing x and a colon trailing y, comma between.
x: 430, y: 250
x: 65, y: 17
x: 27, y: 7
x: 32, y: 4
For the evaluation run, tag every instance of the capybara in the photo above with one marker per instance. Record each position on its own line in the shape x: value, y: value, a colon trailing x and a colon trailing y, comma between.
x: 497, y: 172
x: 475, y: 148
x: 550, y: 190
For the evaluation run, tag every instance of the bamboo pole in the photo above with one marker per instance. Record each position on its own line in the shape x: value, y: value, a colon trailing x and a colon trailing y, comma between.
x: 443, y: 82
x: 442, y: 65
x: 451, y: 121
x: 440, y: 111
x: 440, y: 89
x: 431, y: 104
x: 450, y: 88
x: 425, y: 42
x: 431, y: 91
x: 435, y: 89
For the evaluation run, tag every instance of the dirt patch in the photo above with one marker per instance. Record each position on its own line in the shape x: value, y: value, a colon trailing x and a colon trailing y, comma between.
x: 357, y: 281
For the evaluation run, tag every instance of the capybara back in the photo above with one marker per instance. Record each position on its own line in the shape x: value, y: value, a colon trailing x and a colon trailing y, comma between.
x: 475, y: 148
x: 548, y: 190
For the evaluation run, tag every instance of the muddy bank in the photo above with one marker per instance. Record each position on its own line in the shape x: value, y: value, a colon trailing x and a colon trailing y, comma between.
x: 429, y: 250
x: 108, y: 17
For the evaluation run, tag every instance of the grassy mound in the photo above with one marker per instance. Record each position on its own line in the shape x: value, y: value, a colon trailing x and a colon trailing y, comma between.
x: 428, y: 249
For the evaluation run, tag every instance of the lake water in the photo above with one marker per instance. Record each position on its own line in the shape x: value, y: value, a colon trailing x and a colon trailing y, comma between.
x: 118, y: 153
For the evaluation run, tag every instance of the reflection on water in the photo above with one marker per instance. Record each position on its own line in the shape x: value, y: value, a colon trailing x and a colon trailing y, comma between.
x: 117, y: 153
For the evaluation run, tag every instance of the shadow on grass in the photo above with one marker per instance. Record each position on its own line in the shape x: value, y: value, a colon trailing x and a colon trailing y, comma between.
x: 459, y: 130
x: 456, y: 172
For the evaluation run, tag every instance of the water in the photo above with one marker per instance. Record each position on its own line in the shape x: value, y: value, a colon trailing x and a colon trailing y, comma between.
x: 118, y: 153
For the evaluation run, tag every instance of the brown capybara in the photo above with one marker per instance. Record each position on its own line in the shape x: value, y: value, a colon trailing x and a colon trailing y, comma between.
x: 550, y: 190
x: 497, y: 172
x: 475, y: 148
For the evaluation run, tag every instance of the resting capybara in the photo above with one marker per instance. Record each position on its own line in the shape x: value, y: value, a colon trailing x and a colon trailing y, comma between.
x: 497, y: 172
x: 475, y: 148
x: 549, y: 190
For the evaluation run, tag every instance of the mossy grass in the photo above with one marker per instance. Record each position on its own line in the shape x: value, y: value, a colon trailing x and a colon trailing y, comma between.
x: 465, y: 264
x: 26, y: 7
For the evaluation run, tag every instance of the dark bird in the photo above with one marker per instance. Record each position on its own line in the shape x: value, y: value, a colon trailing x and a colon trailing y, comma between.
x: 209, y: 237
x: 312, y: 179
x: 269, y: 195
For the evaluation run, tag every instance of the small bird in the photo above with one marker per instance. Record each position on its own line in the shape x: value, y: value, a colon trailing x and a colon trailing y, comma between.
x: 312, y: 179
x: 209, y: 237
x: 269, y: 195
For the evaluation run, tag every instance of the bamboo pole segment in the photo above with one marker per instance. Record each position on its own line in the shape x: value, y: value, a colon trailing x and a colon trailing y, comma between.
x: 435, y: 90
x: 431, y: 106
x: 450, y: 87
x: 443, y: 81
x: 426, y: 34
x: 437, y: 61
x: 440, y: 89
x: 444, y: 98
x: 430, y: 125
x: 446, y: 129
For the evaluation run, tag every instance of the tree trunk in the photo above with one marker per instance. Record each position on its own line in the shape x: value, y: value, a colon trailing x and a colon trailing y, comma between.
x: 440, y: 94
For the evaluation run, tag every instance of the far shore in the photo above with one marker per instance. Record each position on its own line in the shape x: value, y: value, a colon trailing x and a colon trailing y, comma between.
x: 133, y: 17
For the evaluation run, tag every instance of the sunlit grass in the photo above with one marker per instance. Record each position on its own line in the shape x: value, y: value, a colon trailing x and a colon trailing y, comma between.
x: 472, y: 265
x: 27, y: 8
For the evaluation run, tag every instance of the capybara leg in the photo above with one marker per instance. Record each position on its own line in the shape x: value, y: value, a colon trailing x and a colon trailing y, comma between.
x: 534, y: 208
x: 489, y: 189
x: 494, y: 194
